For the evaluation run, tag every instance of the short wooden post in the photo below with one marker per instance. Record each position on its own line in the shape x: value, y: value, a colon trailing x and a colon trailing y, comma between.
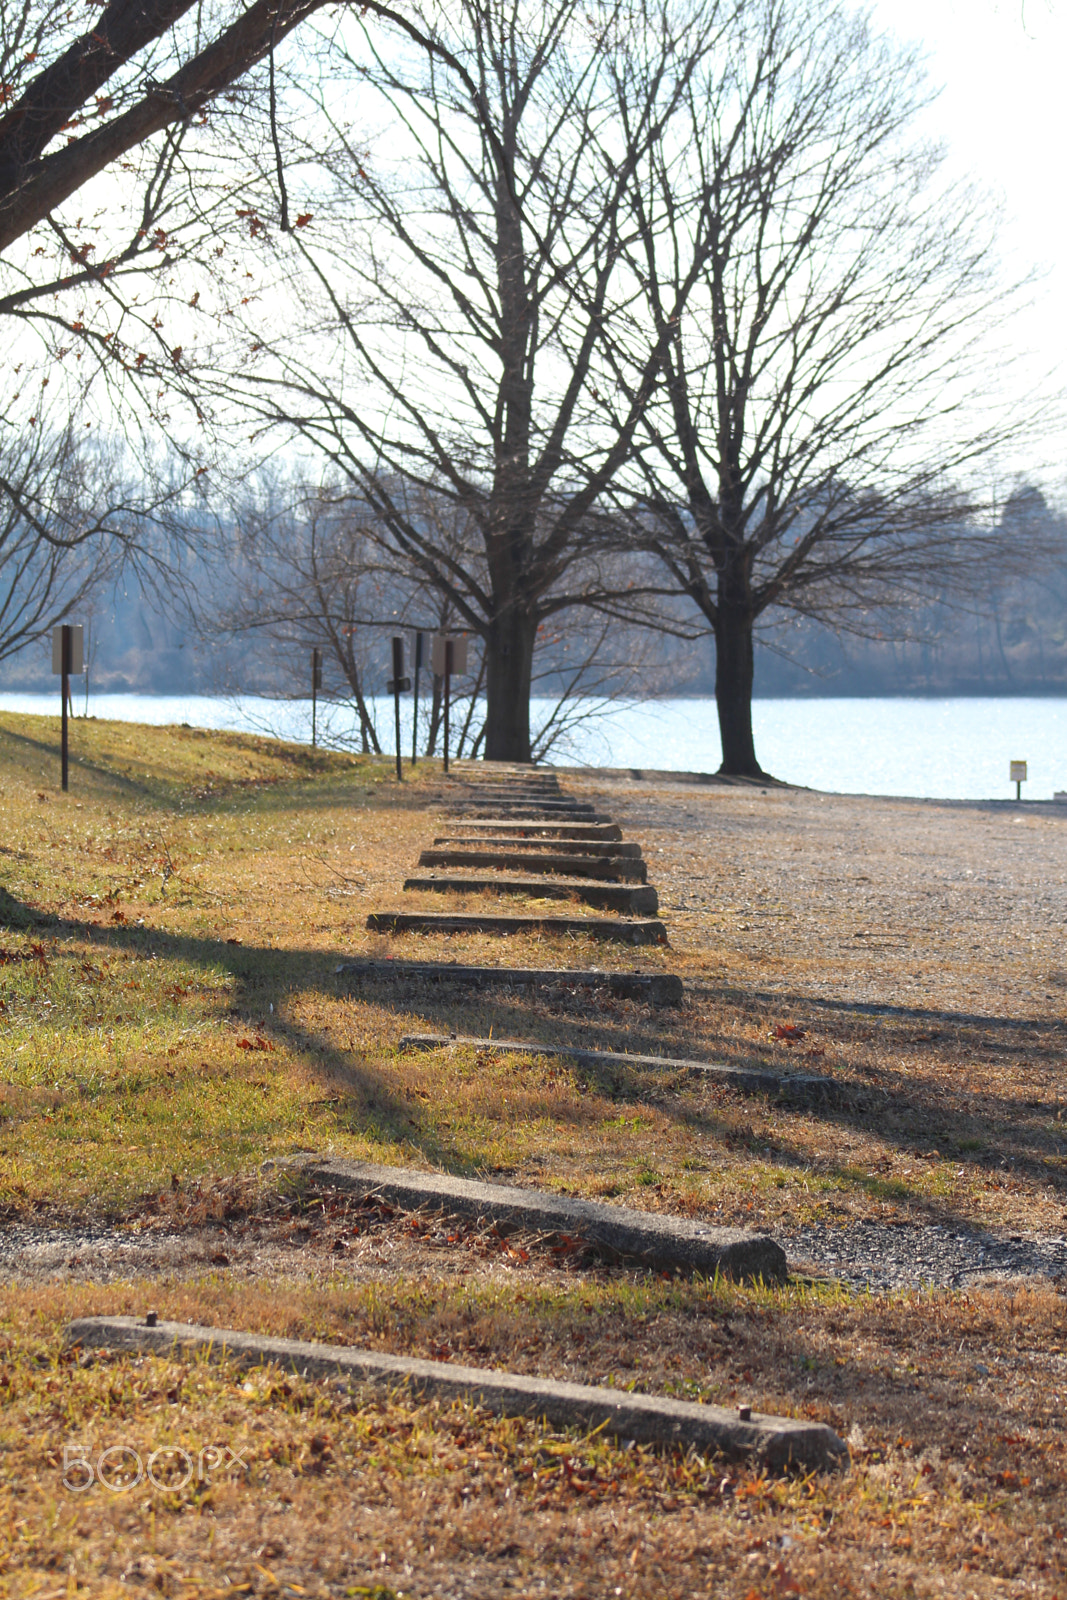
x: 419, y: 646
x: 397, y: 686
x: 316, y: 685
x: 449, y: 658
x: 65, y: 692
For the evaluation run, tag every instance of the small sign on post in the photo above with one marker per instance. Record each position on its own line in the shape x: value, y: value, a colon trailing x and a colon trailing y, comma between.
x: 458, y: 641
x: 68, y: 656
x: 316, y: 685
x: 397, y: 686
x: 448, y: 656
x: 1018, y: 777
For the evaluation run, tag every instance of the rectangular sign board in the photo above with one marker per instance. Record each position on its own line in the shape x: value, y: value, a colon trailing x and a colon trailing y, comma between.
x: 77, y: 647
x: 1018, y: 772
x: 459, y: 653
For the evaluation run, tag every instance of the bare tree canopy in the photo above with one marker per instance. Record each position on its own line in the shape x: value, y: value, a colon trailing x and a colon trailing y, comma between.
x: 56, y: 75
x: 80, y: 92
x: 822, y: 391
x: 304, y: 566
x: 465, y: 264
x: 70, y: 521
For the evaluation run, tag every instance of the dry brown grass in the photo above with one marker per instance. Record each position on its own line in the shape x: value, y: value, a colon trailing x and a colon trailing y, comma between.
x: 168, y: 1005
x: 956, y: 1487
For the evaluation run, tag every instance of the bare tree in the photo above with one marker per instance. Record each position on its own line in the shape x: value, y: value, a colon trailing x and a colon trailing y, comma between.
x: 109, y: 109
x: 820, y: 390
x: 1003, y: 632
x: 305, y: 575
x: 451, y: 344
x: 117, y: 181
x: 69, y: 523
x: 308, y: 567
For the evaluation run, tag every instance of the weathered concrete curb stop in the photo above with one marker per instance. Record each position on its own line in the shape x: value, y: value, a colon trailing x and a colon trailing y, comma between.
x: 516, y: 797
x: 655, y: 988
x: 514, y: 791
x: 616, y: 929
x: 550, y: 806
x: 774, y: 1442
x: 526, y: 815
x: 655, y: 1239
x: 797, y: 1087
x: 623, y: 869
x: 641, y: 900
x: 509, y: 778
x: 523, y: 810
x: 612, y: 849
x: 534, y: 831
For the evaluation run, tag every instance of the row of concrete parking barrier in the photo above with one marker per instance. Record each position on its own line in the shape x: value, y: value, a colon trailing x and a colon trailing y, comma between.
x: 518, y: 834
x: 523, y: 836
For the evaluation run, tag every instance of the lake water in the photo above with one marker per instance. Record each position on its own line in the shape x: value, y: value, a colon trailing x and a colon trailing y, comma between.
x: 949, y: 748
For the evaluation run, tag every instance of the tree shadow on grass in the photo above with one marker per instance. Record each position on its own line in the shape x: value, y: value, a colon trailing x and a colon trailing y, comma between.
x: 369, y: 1101
x: 260, y: 974
x: 370, y: 1104
x: 995, y: 1134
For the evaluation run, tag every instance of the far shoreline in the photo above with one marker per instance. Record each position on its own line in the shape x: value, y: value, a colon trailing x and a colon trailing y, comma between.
x: 907, y: 747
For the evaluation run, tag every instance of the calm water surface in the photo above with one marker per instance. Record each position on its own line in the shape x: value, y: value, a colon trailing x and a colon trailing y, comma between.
x: 951, y: 748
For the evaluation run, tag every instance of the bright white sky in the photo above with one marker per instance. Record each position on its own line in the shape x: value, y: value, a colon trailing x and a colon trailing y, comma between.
x: 1002, y: 67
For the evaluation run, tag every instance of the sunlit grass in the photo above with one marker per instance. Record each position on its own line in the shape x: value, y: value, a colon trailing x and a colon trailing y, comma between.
x: 169, y: 1006
x: 895, y: 1372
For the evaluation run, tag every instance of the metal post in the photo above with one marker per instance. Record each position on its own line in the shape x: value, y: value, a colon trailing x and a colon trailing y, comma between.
x: 396, y: 686
x: 1018, y: 789
x: 316, y: 685
x: 65, y: 692
x: 448, y: 690
x: 419, y: 637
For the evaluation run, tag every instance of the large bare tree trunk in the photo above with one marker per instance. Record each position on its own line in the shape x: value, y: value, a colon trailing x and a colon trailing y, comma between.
x: 733, y: 687
x: 509, y: 648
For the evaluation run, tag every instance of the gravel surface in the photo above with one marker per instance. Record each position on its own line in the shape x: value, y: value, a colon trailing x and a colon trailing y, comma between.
x: 864, y: 1255
x: 947, y: 906
x: 868, y: 1255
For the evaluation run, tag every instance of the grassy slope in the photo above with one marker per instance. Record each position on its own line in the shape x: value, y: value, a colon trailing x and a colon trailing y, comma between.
x: 170, y: 1012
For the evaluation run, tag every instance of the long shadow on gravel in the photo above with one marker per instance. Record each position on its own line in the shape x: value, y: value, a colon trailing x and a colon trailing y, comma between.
x: 860, y: 1008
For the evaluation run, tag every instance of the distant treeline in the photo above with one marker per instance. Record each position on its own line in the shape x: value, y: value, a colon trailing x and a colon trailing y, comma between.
x: 1012, y: 640
x: 1018, y: 645
x: 1009, y: 639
